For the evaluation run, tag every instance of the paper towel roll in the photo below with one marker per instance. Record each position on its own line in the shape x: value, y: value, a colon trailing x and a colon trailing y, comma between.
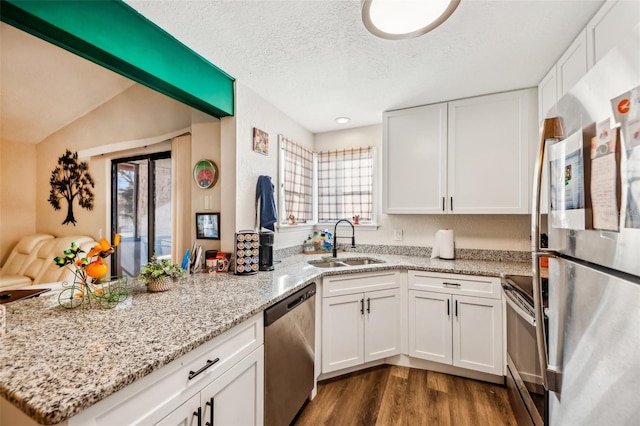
x: 444, y: 245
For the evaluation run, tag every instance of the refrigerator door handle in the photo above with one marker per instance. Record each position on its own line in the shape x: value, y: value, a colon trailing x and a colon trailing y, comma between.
x: 552, y: 129
x: 551, y: 377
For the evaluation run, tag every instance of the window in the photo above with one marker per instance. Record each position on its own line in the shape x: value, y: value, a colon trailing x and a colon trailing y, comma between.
x: 297, y: 185
x: 141, y: 210
x: 345, y: 184
x: 326, y: 186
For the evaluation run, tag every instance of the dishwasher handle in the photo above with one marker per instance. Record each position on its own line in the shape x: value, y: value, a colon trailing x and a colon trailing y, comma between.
x: 288, y: 304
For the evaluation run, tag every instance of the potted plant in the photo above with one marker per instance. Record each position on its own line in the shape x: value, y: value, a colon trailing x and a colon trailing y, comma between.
x: 158, y: 275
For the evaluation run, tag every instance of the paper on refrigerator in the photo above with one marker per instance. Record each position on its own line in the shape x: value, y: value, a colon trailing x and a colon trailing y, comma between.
x: 567, y: 194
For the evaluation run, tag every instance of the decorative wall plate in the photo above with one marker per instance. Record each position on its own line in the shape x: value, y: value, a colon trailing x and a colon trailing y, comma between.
x: 205, y: 173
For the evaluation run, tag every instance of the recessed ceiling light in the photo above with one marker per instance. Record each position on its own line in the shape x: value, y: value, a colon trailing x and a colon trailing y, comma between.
x: 342, y: 120
x: 401, y: 19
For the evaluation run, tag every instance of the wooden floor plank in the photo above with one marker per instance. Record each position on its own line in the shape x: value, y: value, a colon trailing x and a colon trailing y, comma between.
x: 391, y: 395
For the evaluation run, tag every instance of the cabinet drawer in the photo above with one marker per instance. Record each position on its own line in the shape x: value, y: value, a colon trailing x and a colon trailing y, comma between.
x: 149, y: 399
x: 470, y: 285
x: 339, y: 285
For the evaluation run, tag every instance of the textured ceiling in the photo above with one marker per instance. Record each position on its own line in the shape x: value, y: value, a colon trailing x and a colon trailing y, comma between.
x: 315, y: 61
x: 44, y: 87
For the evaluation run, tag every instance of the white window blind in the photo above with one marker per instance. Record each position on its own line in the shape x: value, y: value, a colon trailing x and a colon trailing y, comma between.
x: 345, y: 184
x: 298, y: 181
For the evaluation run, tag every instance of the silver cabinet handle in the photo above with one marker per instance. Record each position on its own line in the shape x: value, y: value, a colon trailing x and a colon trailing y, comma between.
x: 446, y: 284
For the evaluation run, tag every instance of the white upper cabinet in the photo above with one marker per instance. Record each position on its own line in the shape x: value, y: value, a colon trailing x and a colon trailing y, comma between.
x: 488, y: 153
x: 572, y: 65
x: 547, y: 94
x: 614, y: 19
x: 469, y: 156
x: 415, y: 159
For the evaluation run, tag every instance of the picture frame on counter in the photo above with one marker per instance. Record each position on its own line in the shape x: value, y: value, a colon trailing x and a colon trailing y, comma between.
x: 208, y: 226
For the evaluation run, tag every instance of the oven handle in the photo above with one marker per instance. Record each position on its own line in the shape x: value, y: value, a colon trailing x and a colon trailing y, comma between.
x: 516, y: 306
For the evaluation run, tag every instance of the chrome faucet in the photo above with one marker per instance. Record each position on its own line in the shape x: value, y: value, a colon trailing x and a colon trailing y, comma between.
x: 335, y: 236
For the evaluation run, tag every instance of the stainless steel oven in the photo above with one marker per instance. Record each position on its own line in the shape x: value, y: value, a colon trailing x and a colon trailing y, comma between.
x: 524, y: 381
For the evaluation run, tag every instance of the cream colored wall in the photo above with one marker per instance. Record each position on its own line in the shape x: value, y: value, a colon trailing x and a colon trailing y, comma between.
x: 136, y: 113
x: 205, y: 144
x: 17, y: 194
x: 496, y: 232
x: 253, y: 111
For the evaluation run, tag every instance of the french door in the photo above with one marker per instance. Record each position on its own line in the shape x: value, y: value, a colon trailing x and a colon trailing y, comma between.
x: 141, y: 210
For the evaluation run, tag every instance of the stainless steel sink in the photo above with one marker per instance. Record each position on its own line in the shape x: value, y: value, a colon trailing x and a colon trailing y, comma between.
x: 339, y: 263
x: 361, y: 261
x: 326, y: 263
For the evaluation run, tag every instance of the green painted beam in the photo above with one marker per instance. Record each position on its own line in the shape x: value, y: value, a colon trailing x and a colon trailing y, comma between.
x: 112, y: 34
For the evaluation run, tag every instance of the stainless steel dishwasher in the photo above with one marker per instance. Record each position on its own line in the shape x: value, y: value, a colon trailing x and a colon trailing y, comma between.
x: 289, y: 341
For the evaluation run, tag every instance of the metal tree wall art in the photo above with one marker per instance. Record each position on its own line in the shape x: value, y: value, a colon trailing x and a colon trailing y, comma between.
x: 70, y: 180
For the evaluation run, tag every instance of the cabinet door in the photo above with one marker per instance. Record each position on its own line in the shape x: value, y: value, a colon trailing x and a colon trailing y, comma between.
x: 236, y: 397
x: 430, y: 326
x: 477, y: 334
x: 382, y: 324
x: 414, y: 160
x: 547, y: 94
x: 342, y: 332
x: 185, y: 415
x: 572, y: 65
x: 488, y: 163
x: 608, y: 26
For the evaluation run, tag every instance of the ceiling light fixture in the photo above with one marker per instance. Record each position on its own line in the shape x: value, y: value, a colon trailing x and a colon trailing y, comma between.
x: 343, y: 120
x: 401, y: 19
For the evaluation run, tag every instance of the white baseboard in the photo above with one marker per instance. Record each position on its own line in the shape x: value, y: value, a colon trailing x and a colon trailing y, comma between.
x: 407, y: 361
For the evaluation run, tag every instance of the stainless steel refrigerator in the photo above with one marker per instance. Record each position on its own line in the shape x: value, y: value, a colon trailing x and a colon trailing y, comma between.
x: 591, y: 365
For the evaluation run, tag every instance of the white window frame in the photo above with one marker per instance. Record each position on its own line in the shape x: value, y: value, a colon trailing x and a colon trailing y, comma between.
x: 314, y: 223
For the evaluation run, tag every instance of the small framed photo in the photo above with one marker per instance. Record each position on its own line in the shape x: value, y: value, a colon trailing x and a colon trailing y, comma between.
x: 208, y: 226
x: 260, y: 141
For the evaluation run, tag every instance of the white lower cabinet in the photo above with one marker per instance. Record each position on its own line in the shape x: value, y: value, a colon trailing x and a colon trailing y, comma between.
x: 361, y: 326
x: 477, y: 334
x: 228, y: 370
x: 430, y: 326
x: 235, y: 398
x: 449, y: 327
x: 184, y: 415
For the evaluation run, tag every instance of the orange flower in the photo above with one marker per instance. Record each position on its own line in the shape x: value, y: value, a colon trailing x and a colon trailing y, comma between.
x: 97, y: 268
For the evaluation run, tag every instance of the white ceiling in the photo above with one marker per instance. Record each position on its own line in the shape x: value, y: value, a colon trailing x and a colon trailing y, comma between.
x: 314, y: 60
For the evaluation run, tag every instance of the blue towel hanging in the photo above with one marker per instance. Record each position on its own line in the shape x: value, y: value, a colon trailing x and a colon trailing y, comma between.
x: 266, y: 204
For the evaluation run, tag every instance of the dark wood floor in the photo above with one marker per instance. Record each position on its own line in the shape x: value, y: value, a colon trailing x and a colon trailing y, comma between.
x: 390, y: 395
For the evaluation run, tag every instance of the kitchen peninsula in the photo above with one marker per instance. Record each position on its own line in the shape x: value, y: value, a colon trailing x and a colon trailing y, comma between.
x: 57, y: 363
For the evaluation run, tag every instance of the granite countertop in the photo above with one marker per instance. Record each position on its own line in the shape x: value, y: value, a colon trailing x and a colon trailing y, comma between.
x: 55, y: 362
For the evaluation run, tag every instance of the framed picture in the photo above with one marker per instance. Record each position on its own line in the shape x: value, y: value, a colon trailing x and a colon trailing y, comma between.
x: 208, y: 226
x: 260, y: 141
x: 205, y: 173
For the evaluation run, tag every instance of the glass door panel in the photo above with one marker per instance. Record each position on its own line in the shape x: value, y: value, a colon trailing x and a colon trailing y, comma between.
x: 141, y: 210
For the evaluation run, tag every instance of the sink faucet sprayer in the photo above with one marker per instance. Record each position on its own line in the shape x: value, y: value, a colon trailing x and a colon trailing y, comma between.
x: 335, y: 236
